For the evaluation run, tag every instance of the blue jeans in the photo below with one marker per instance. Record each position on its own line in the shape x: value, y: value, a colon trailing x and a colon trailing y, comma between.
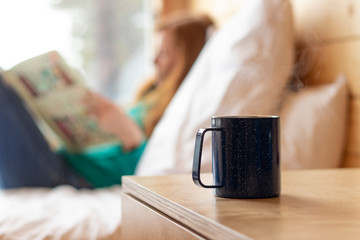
x: 26, y: 159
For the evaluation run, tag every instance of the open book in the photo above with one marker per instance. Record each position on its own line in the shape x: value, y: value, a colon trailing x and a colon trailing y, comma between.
x: 54, y: 92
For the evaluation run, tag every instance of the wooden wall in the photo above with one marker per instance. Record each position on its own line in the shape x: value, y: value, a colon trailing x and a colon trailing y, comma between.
x: 220, y: 10
x: 170, y: 6
x: 328, y: 39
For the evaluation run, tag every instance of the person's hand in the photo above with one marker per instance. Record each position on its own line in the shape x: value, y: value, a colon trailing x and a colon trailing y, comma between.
x: 103, y: 110
x: 113, y: 120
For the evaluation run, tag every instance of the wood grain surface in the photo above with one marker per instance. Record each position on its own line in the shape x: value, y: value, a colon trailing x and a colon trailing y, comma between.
x: 314, y: 204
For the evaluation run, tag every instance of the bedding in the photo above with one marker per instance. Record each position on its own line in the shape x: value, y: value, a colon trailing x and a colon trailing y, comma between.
x: 313, y: 126
x: 60, y: 213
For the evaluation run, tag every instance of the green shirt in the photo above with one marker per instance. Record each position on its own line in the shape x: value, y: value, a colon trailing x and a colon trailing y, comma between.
x: 105, y: 165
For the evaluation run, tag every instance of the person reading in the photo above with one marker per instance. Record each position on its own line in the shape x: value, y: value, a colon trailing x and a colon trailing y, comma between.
x: 26, y: 158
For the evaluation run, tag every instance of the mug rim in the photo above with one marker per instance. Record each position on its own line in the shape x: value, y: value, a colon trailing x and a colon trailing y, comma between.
x: 244, y: 116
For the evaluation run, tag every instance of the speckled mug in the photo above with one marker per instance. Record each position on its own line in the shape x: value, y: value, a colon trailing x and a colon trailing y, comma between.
x: 245, y: 153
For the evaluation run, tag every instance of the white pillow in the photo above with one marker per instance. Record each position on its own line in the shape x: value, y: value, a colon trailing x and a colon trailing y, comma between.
x: 242, y: 70
x: 313, y: 123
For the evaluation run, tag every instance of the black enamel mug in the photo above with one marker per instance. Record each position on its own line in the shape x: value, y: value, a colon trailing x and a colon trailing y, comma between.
x: 245, y: 156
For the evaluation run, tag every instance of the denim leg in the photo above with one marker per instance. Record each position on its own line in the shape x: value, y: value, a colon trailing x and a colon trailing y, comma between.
x: 26, y: 159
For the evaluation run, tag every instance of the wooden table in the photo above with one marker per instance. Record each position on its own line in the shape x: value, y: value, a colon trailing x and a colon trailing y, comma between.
x: 314, y: 204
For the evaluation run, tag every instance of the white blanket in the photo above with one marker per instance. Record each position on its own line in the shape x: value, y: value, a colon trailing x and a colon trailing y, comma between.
x: 60, y: 213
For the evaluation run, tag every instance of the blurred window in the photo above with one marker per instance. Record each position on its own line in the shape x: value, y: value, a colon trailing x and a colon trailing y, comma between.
x: 109, y: 40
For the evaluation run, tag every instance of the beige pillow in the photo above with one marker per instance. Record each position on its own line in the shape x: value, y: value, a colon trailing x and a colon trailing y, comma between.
x: 242, y: 70
x: 313, y: 123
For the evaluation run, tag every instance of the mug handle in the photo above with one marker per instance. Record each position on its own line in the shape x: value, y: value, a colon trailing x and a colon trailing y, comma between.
x: 197, y: 157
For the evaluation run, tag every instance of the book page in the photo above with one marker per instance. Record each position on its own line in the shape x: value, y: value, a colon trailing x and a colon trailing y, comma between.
x: 54, y: 93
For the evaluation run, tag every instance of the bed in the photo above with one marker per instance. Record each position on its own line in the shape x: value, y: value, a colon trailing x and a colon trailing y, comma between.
x: 326, y: 40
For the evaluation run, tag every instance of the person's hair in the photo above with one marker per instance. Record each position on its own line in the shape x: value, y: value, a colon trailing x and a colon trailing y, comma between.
x: 190, y: 32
